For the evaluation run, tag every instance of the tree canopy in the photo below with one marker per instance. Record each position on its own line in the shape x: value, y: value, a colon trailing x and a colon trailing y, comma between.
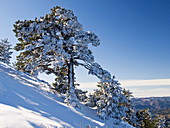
x: 58, y: 41
x: 5, y: 53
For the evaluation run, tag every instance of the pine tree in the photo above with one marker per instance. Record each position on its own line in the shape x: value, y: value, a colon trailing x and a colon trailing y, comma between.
x: 130, y: 113
x: 161, y: 122
x: 61, y: 84
x: 58, y: 40
x: 61, y: 80
x: 146, y: 120
x: 111, y: 102
x: 81, y: 95
x: 5, y: 53
x: 91, y: 100
x: 54, y: 40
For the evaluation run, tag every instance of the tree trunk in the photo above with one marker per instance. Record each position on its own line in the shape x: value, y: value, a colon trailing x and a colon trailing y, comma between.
x: 71, y: 75
x: 71, y: 96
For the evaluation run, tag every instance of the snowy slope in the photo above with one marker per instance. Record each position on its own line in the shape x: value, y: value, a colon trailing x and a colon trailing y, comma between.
x: 25, y: 102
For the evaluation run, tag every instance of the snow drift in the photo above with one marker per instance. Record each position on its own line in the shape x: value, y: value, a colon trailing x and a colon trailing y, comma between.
x: 26, y: 102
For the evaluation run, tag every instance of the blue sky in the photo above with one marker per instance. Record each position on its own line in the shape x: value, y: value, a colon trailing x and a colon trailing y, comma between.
x: 134, y: 34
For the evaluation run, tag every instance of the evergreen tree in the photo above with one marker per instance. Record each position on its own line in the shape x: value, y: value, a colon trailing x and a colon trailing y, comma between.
x: 5, y: 53
x: 58, y: 40
x: 111, y: 102
x: 61, y: 80
x: 61, y: 84
x: 54, y: 40
x: 130, y: 113
x: 92, y: 98
x: 146, y: 120
x: 81, y: 95
x: 161, y: 122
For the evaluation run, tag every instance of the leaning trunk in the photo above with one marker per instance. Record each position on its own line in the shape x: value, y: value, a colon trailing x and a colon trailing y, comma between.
x: 71, y: 96
x: 71, y: 75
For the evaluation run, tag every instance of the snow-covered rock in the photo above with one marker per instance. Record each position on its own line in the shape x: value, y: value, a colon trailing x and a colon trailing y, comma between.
x: 26, y: 102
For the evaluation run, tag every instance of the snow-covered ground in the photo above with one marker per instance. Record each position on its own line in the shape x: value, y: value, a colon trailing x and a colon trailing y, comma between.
x: 26, y: 102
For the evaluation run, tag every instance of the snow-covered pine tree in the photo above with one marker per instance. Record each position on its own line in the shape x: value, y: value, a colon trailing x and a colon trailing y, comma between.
x: 54, y: 40
x: 130, y: 113
x: 146, y: 120
x: 91, y: 100
x: 61, y: 80
x: 110, y: 104
x: 5, y: 53
x: 81, y: 95
x: 61, y: 84
x: 94, y: 97
x: 161, y: 122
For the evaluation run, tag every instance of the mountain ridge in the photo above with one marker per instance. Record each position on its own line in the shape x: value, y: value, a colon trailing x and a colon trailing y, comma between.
x: 152, y: 102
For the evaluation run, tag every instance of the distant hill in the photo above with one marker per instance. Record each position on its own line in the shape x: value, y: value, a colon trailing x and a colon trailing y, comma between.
x: 157, y: 105
x: 152, y: 103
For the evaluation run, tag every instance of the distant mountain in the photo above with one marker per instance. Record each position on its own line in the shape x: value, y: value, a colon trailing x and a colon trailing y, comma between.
x: 152, y: 103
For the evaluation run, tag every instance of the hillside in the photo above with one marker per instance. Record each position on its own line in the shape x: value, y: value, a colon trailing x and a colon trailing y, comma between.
x: 27, y: 102
x: 152, y: 103
x: 157, y: 105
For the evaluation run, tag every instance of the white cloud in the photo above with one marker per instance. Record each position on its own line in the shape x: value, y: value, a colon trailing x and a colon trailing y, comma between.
x: 152, y: 82
x: 138, y: 87
x: 158, y: 92
x: 127, y: 83
x: 91, y: 85
x: 88, y: 86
